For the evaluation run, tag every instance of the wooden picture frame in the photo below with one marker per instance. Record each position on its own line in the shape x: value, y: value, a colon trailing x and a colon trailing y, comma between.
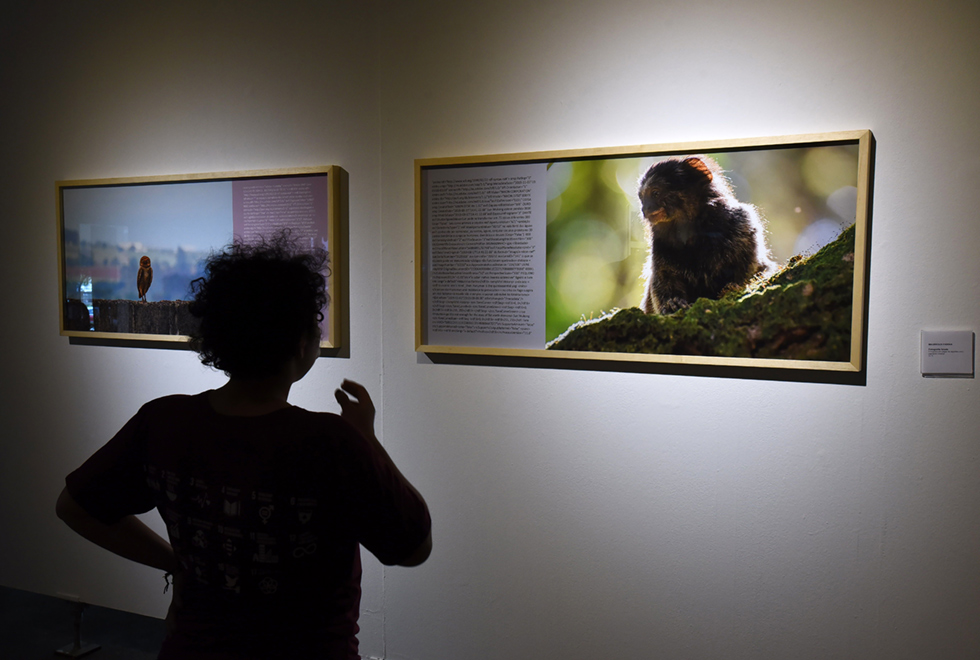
x: 542, y: 255
x: 106, y: 226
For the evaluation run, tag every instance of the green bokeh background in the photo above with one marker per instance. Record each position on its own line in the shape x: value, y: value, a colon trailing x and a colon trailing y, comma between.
x: 596, y: 247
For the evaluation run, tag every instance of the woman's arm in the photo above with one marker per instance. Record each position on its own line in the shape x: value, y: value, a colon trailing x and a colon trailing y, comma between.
x: 359, y: 413
x: 129, y: 537
x: 420, y: 555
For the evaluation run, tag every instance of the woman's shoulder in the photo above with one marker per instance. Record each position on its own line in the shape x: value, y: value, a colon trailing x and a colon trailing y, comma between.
x: 172, y: 403
x: 326, y: 421
x: 293, y: 422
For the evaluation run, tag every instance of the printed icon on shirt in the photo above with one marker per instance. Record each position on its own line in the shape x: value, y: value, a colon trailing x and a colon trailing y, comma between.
x: 172, y: 483
x: 304, y: 550
x: 200, y: 540
x: 265, y: 555
x: 265, y: 513
x: 232, y: 509
x: 231, y: 578
x: 268, y: 586
x: 232, y: 505
x: 304, y: 516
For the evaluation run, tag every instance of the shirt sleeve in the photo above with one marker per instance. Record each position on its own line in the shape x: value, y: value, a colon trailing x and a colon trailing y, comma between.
x: 393, y: 520
x: 112, y: 484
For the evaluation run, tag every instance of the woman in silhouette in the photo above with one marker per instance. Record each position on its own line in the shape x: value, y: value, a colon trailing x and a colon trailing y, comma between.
x: 265, y: 503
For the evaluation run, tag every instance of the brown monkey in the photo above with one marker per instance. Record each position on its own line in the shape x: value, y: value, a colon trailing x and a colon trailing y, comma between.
x: 703, y: 241
x: 144, y: 278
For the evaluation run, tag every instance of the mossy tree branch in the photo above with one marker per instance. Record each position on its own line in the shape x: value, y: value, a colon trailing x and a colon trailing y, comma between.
x: 802, y: 312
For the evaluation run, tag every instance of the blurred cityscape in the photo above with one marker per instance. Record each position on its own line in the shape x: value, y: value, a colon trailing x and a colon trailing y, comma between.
x: 101, y: 270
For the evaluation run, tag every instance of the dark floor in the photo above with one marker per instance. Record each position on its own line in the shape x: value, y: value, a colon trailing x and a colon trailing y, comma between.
x: 33, y: 627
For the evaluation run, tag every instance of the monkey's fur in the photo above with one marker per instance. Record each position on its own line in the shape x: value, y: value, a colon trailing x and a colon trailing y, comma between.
x: 703, y: 241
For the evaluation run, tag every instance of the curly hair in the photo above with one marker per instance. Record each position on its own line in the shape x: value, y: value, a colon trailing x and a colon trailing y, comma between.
x: 255, y: 303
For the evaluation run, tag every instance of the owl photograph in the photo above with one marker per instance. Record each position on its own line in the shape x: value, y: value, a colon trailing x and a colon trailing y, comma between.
x: 141, y: 241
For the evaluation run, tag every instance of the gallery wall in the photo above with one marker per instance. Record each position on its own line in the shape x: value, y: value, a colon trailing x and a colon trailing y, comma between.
x: 577, y: 513
x: 584, y: 514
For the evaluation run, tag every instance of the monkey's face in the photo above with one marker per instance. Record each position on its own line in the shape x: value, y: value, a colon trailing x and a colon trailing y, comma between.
x: 671, y: 191
x: 654, y: 205
x: 663, y: 206
x: 144, y: 262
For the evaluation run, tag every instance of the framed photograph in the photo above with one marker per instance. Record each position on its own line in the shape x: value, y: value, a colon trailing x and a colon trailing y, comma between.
x: 749, y: 252
x: 129, y: 248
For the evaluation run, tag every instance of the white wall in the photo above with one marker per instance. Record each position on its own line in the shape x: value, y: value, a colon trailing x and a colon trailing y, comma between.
x: 582, y: 514
x: 576, y: 513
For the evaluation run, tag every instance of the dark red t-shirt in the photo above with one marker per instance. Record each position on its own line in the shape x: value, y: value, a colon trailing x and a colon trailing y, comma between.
x: 265, y: 514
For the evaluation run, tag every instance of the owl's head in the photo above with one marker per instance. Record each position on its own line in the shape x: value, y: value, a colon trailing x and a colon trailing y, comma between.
x: 144, y: 262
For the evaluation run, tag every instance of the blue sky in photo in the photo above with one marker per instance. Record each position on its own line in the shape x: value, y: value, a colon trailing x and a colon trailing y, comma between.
x: 193, y: 215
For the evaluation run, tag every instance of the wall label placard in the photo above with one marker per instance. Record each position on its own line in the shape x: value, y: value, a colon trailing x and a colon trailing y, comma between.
x: 947, y: 353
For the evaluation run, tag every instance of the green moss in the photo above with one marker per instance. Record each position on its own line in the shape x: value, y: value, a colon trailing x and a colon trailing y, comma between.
x: 803, y: 312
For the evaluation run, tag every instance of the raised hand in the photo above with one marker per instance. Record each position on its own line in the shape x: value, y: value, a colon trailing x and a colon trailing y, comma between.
x: 359, y: 410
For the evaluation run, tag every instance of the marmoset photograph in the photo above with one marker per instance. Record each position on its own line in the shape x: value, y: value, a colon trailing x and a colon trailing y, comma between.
x: 745, y: 253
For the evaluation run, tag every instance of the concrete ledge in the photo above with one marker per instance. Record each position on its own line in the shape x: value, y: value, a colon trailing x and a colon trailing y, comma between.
x: 163, y: 317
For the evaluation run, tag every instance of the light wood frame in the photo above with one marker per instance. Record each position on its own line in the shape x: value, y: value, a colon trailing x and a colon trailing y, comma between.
x: 861, y: 140
x: 326, y: 209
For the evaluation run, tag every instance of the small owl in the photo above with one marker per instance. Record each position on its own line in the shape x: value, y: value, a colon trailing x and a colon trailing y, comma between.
x: 144, y: 278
